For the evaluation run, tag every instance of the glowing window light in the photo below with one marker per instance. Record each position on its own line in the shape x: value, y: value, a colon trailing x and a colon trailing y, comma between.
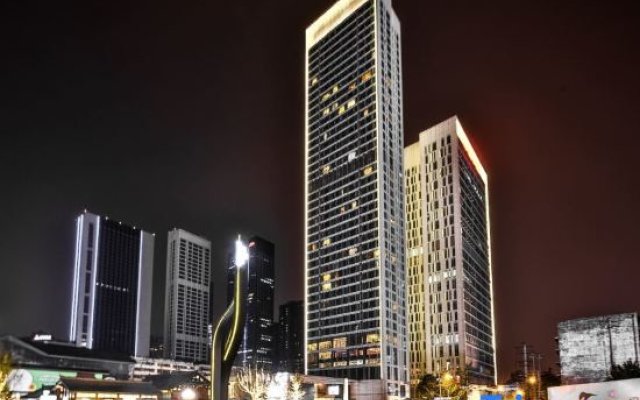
x: 366, y: 76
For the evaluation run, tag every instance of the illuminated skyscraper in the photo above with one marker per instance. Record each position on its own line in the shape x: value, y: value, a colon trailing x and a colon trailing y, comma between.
x: 291, y: 337
x: 354, y: 216
x: 449, y: 257
x: 111, y: 298
x: 257, y: 348
x: 187, y: 299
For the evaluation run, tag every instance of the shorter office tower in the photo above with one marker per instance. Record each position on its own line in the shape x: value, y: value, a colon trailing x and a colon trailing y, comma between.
x: 589, y: 347
x: 450, y: 299
x: 291, y: 337
x: 111, y: 298
x: 187, y: 298
x: 257, y: 346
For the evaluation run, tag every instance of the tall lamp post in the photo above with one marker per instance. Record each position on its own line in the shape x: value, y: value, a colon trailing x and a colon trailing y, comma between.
x: 228, y: 330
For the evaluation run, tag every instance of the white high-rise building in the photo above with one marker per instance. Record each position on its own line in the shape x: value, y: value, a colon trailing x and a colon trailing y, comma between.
x: 355, y: 307
x: 450, y: 286
x: 111, y: 298
x: 187, y: 298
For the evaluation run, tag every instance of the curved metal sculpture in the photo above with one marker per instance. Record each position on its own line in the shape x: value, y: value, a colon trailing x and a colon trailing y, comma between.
x: 228, y: 331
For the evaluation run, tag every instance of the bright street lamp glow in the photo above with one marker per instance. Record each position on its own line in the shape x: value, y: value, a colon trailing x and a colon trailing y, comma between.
x: 188, y: 394
x: 242, y: 253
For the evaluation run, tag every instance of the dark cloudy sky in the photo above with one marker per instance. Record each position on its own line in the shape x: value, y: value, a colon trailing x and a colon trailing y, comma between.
x: 190, y: 114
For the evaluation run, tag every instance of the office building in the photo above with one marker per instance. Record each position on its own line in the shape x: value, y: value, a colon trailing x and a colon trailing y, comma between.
x: 589, y: 347
x: 291, y: 337
x: 451, y: 319
x: 187, y: 298
x: 111, y: 298
x: 354, y: 214
x: 257, y: 347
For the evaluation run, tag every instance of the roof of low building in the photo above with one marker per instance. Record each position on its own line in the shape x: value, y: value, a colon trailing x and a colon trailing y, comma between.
x: 176, y: 379
x: 108, y: 386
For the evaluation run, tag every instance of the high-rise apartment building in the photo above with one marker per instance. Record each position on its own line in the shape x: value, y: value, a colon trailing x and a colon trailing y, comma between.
x: 291, y: 337
x: 354, y: 213
x: 111, y: 298
x: 589, y: 347
x: 451, y: 320
x: 257, y: 349
x: 187, y: 299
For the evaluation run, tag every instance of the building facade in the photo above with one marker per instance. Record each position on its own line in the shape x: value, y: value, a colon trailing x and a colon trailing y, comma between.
x: 291, y: 337
x: 355, y: 303
x: 187, y: 298
x: 589, y: 347
x: 147, y: 367
x: 257, y: 349
x: 111, y: 298
x: 450, y: 285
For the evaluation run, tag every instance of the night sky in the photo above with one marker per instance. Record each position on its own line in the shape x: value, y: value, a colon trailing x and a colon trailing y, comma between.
x: 190, y: 114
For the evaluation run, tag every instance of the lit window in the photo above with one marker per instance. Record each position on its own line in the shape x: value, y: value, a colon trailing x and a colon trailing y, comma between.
x: 335, y: 89
x: 352, y: 156
x: 367, y: 171
x: 351, y: 103
x: 340, y: 342
x: 373, y: 351
x: 326, y: 242
x: 326, y: 286
x: 366, y: 76
x: 353, y: 251
x: 314, y: 81
x: 354, y: 204
x: 325, y: 345
x: 340, y: 364
x: 373, y: 338
x: 376, y: 253
x: 326, y: 111
x: 342, y: 110
x: 326, y: 169
x: 325, y: 355
x: 353, y: 86
x: 326, y: 277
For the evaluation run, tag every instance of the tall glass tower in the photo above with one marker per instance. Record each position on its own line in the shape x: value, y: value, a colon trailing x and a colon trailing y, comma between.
x: 257, y: 349
x: 449, y: 257
x: 111, y: 298
x: 354, y: 216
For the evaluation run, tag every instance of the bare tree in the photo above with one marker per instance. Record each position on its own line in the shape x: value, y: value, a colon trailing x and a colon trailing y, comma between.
x: 253, y: 382
x: 296, y: 391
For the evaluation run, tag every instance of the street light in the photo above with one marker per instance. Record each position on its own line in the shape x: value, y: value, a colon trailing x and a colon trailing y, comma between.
x: 188, y: 394
x: 443, y: 379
